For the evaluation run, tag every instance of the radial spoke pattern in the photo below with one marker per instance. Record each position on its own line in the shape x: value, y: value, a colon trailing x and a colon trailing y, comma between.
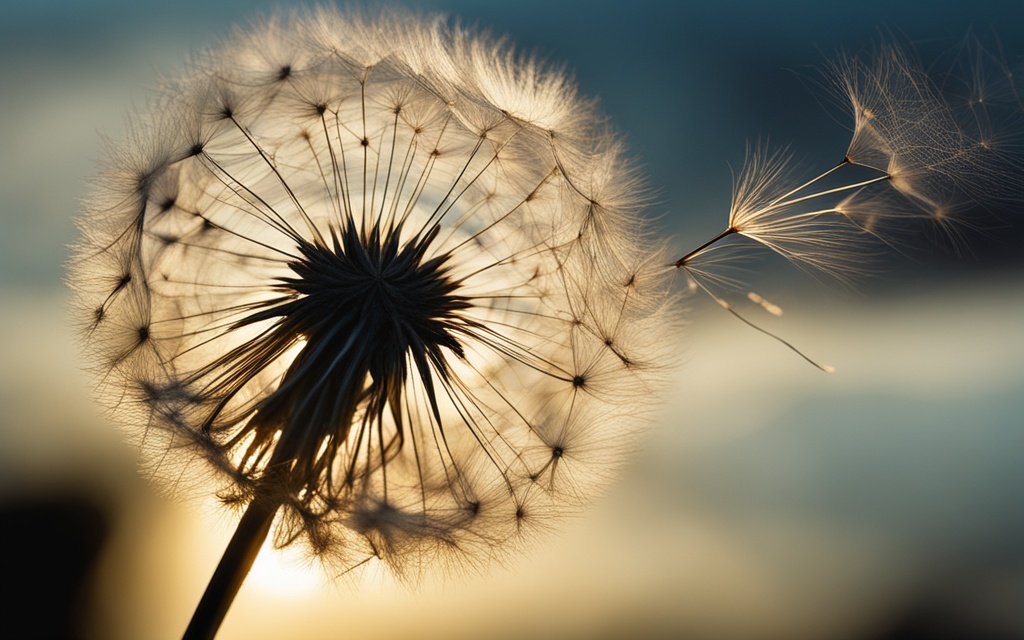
x: 401, y: 292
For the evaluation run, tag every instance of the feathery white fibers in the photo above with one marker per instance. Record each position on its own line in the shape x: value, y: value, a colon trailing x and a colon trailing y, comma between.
x: 387, y: 271
x: 924, y: 148
x: 390, y: 276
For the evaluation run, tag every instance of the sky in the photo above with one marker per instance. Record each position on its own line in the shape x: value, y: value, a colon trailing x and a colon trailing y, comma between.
x: 768, y: 500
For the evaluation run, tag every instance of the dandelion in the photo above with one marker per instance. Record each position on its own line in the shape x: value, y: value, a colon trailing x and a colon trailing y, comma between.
x: 379, y: 284
x: 382, y: 284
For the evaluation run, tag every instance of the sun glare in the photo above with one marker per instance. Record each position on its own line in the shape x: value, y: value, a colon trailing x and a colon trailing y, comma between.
x: 283, y: 572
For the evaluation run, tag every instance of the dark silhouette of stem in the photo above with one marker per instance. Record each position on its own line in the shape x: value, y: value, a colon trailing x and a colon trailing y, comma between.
x: 234, y: 565
x: 682, y: 261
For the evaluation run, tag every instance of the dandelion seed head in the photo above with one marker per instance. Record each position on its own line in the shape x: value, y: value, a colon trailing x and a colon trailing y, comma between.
x: 384, y: 272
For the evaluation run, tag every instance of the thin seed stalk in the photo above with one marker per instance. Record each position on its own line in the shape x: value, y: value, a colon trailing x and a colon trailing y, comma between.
x: 681, y: 262
x: 234, y: 566
x: 254, y: 526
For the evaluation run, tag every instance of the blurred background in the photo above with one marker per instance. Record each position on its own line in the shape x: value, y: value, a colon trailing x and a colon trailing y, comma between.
x: 767, y: 501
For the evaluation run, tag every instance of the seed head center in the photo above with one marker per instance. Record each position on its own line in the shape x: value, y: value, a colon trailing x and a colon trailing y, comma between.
x: 389, y: 295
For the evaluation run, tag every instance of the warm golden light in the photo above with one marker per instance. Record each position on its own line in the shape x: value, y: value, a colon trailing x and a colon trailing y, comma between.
x: 283, y: 573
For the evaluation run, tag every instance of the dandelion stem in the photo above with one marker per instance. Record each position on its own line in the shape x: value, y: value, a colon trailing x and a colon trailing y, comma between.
x: 234, y: 565
x: 681, y: 262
